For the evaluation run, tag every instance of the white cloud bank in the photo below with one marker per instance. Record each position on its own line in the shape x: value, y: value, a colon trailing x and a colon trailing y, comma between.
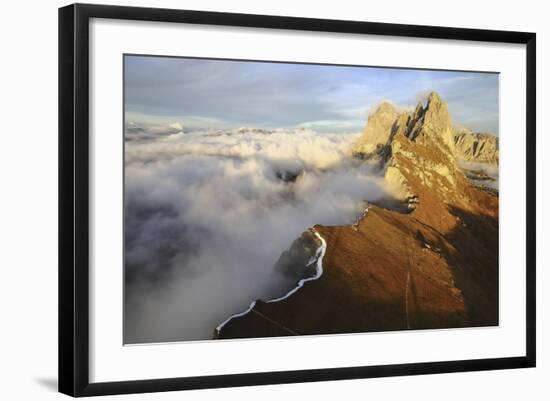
x: 208, y: 213
x: 490, y: 170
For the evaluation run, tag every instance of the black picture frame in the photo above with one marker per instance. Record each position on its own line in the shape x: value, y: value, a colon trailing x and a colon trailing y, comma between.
x: 74, y: 198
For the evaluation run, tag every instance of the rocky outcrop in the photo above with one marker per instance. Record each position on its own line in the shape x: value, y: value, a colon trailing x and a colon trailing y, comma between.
x: 378, y: 129
x: 433, y: 267
x: 435, y: 125
x: 422, y: 145
x: 296, y: 262
x: 476, y: 147
x: 419, y: 155
x: 430, y: 125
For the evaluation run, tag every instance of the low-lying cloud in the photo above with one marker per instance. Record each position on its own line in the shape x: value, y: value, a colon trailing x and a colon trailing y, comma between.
x: 487, y: 173
x: 208, y: 213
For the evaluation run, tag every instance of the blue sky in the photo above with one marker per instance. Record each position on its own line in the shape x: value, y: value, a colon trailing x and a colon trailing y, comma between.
x: 200, y: 93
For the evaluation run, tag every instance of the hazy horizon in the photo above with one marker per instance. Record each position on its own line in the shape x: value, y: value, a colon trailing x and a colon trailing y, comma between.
x: 210, y: 210
x: 224, y: 94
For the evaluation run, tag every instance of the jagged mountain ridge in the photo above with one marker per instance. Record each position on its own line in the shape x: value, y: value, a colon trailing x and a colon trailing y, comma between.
x: 378, y: 130
x: 476, y: 147
x: 420, y: 126
x: 435, y: 266
x: 387, y: 121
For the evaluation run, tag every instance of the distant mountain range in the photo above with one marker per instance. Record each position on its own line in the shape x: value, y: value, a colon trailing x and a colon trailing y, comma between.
x: 427, y: 259
x: 476, y: 147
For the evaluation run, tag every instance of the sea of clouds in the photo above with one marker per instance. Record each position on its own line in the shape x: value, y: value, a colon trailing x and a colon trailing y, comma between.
x: 491, y: 170
x: 209, y: 212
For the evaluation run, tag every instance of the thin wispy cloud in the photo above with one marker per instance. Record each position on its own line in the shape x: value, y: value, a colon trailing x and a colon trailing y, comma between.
x: 200, y: 93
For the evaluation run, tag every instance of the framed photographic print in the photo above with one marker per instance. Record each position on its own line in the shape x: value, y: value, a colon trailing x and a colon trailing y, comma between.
x: 250, y: 199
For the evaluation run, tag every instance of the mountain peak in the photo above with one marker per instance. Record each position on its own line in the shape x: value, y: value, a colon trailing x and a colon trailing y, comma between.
x: 448, y: 230
x: 437, y: 126
x: 378, y: 129
x: 434, y: 98
x: 385, y: 107
x: 430, y: 125
x: 417, y: 149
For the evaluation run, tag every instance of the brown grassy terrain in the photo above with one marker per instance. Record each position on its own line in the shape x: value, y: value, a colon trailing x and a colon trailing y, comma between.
x: 435, y: 267
x: 391, y: 273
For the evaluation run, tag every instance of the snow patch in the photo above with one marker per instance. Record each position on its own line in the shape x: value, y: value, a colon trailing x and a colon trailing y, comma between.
x: 220, y: 326
x: 319, y: 254
x: 318, y: 258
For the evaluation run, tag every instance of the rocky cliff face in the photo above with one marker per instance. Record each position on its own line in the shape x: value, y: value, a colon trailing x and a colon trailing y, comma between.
x: 434, y: 265
x: 476, y: 147
x: 430, y: 125
x: 419, y: 157
x: 296, y: 262
x: 378, y: 130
